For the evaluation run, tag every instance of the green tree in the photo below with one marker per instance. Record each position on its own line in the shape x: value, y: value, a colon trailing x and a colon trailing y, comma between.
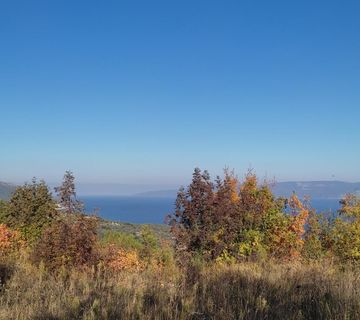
x: 346, y: 230
x: 316, y: 237
x: 30, y: 209
x: 150, y: 244
x: 3, y: 207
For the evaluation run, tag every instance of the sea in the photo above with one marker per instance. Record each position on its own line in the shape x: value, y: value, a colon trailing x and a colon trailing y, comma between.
x: 150, y: 210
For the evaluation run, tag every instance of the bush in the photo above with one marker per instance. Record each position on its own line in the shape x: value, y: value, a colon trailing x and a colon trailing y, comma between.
x: 10, y: 241
x: 69, y: 242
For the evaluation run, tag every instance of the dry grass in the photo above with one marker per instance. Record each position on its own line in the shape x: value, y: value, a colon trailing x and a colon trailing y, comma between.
x: 242, y: 291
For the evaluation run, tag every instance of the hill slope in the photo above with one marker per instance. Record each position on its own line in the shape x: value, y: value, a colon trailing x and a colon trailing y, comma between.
x: 314, y: 189
x: 162, y: 231
x: 5, y: 190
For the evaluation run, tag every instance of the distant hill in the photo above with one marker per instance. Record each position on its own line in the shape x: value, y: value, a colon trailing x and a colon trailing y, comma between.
x: 5, y: 190
x: 314, y: 189
x: 157, y: 194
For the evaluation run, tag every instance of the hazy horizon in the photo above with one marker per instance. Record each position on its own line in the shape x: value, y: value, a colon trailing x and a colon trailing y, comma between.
x: 120, y: 189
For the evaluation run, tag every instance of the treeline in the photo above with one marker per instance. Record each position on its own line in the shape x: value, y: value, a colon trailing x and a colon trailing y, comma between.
x: 236, y: 252
x: 226, y: 220
x: 56, y: 233
x: 231, y: 221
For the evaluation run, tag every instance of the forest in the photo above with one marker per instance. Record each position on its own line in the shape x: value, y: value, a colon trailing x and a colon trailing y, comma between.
x: 235, y: 251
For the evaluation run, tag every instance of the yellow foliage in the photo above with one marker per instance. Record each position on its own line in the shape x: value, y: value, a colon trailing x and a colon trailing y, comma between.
x: 250, y: 184
x: 125, y: 260
x: 297, y: 226
x: 233, y: 185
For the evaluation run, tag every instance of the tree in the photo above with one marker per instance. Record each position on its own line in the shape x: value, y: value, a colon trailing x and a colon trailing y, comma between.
x: 3, y: 207
x: 287, y: 232
x: 236, y: 220
x: 30, y: 209
x: 67, y: 195
x: 150, y: 244
x: 193, y: 214
x: 346, y: 230
x: 315, y: 244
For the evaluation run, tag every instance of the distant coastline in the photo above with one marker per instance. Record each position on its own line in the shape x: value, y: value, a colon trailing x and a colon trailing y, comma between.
x: 313, y: 189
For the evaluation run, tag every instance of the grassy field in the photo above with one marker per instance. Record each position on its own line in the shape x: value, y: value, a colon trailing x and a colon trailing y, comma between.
x: 241, y: 291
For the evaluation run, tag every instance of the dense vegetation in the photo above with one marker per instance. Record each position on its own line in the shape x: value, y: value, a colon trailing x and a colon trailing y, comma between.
x: 236, y: 252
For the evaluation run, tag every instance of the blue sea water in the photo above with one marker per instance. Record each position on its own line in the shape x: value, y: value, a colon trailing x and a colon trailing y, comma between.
x: 130, y: 209
x: 154, y: 210
x: 325, y: 205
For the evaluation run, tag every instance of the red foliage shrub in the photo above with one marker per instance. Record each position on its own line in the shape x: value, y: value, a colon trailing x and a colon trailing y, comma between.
x: 69, y: 242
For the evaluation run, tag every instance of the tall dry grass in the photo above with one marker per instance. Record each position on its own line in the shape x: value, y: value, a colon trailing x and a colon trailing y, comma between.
x: 241, y: 291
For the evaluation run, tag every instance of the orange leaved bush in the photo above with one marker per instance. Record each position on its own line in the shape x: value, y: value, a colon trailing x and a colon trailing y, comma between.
x: 124, y: 260
x: 10, y: 241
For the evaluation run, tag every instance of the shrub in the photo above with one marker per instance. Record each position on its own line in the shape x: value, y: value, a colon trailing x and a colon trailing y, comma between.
x: 124, y: 260
x: 10, y: 245
x: 68, y: 242
x: 10, y: 241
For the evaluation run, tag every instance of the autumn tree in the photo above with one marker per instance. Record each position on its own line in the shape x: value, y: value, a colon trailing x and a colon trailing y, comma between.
x: 287, y: 234
x: 232, y: 220
x: 67, y: 195
x: 248, y: 212
x: 193, y: 216
x: 226, y: 209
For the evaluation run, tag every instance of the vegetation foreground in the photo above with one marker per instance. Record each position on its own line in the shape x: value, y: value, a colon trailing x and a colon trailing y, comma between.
x: 236, y: 252
x: 242, y: 291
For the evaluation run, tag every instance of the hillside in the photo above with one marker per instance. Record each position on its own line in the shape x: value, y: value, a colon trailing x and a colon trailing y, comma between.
x: 162, y: 231
x: 5, y: 190
x: 314, y: 189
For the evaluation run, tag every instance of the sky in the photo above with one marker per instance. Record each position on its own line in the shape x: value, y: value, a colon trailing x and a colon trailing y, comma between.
x: 141, y: 92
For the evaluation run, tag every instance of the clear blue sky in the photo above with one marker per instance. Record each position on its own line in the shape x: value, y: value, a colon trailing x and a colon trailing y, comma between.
x: 144, y: 91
